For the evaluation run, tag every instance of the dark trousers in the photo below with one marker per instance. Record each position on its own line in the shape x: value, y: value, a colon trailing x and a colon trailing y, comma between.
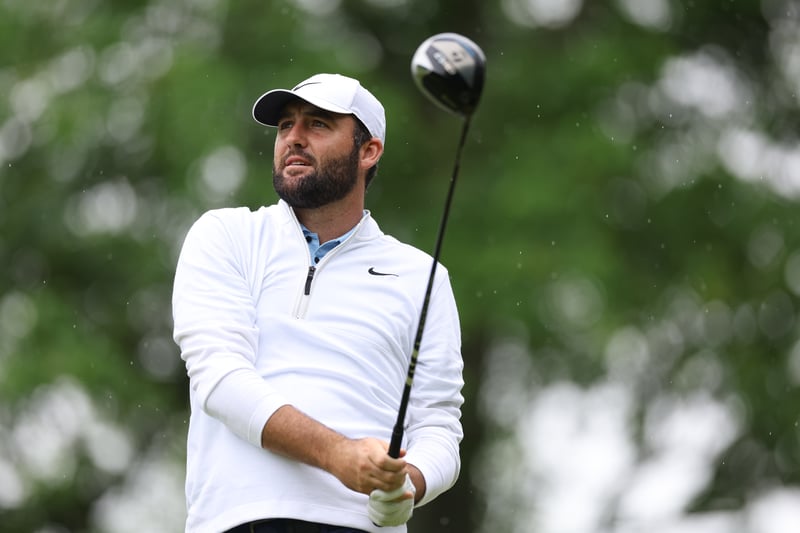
x: 286, y: 525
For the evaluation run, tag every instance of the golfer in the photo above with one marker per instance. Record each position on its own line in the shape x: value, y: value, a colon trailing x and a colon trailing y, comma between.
x: 296, y: 322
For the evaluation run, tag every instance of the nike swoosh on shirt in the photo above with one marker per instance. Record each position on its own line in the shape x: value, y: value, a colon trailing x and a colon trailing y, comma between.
x: 376, y: 273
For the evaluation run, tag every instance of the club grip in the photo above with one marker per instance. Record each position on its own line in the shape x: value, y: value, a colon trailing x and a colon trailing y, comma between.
x: 396, y: 442
x: 399, y: 426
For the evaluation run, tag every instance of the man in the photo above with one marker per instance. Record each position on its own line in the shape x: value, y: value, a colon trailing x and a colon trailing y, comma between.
x: 296, y: 323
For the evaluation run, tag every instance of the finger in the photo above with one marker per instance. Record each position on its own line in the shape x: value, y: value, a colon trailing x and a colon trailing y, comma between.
x: 389, y: 464
x: 388, y: 484
x: 393, y: 477
x: 391, y: 496
x: 406, y: 495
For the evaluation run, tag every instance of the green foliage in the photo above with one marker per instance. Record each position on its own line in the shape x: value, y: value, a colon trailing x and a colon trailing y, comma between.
x: 592, y: 203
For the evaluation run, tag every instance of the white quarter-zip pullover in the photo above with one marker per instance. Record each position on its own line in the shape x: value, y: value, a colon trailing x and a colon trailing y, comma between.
x: 259, y: 328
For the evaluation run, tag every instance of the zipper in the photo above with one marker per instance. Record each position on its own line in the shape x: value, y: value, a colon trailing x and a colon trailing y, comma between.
x: 303, y: 301
x: 309, y: 279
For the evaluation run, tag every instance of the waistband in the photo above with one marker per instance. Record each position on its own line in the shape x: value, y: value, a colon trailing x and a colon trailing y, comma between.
x: 289, y: 525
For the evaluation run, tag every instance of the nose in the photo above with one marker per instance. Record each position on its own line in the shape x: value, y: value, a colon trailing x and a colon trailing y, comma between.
x: 296, y: 135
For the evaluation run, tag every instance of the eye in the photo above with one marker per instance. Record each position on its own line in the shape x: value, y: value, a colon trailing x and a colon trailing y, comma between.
x: 284, y: 124
x: 318, y: 124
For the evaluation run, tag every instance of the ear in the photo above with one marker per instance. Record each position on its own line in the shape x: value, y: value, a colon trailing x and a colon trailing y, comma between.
x: 370, y: 153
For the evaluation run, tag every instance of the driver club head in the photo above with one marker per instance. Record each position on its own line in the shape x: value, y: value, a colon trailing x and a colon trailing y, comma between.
x: 450, y: 69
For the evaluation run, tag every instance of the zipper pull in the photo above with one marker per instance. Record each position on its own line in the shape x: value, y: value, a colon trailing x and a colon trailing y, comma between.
x: 309, y: 279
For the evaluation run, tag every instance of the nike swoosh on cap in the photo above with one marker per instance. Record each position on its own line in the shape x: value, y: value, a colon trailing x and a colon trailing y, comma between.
x: 376, y: 273
x: 304, y: 84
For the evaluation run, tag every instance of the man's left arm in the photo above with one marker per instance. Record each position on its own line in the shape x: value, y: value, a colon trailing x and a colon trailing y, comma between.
x: 434, y: 429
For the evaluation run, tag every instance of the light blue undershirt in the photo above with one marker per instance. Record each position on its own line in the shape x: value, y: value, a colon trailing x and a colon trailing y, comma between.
x: 318, y: 250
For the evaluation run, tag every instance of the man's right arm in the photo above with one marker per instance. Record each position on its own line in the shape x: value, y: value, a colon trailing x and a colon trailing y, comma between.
x: 361, y: 465
x: 214, y: 314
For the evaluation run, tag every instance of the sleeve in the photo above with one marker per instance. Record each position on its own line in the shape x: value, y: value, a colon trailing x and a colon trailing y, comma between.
x: 434, y: 428
x: 214, y: 314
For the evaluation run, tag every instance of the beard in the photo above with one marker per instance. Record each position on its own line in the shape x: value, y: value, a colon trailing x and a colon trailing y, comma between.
x: 332, y: 180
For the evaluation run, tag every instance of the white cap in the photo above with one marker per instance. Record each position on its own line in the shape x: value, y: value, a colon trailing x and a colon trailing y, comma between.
x: 332, y: 92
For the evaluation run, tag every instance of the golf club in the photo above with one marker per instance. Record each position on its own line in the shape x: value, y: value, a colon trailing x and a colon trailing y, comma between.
x: 449, y: 69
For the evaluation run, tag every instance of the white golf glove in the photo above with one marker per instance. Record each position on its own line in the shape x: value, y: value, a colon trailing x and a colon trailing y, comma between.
x: 384, y: 510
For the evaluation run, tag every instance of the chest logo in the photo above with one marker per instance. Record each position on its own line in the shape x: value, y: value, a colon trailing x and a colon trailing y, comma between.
x: 376, y: 273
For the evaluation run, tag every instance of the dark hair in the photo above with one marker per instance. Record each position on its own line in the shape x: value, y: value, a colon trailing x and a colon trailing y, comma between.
x: 361, y: 136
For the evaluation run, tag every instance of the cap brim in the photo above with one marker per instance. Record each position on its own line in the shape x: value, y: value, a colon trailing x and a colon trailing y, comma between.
x: 267, y: 109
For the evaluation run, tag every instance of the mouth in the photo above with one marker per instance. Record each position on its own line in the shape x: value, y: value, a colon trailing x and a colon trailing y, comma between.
x: 296, y: 161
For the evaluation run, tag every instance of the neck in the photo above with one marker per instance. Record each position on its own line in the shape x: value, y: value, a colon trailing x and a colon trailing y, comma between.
x: 330, y: 221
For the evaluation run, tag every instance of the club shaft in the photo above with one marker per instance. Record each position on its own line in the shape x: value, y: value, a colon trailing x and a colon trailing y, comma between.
x: 399, y: 427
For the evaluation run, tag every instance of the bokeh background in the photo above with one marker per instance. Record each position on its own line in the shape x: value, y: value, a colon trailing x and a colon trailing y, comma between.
x: 624, y: 246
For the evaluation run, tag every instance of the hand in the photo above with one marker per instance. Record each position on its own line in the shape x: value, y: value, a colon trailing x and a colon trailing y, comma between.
x: 393, y: 508
x: 364, y: 465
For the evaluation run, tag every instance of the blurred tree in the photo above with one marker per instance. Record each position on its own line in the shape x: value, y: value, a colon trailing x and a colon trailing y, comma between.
x: 623, y: 246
